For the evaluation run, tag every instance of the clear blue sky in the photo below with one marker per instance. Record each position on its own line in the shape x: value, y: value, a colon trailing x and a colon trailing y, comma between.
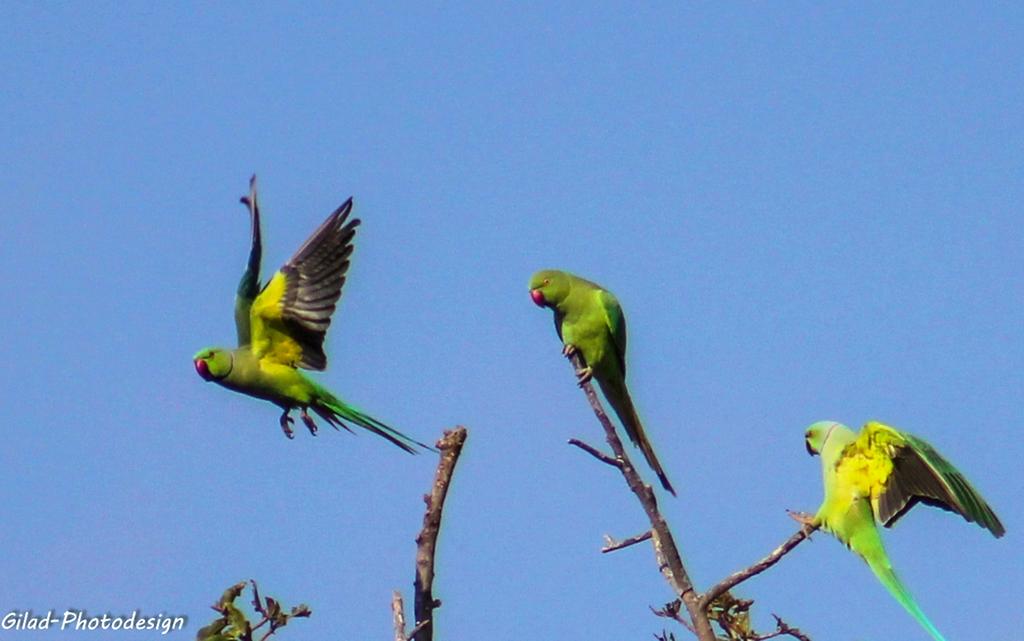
x: 806, y: 214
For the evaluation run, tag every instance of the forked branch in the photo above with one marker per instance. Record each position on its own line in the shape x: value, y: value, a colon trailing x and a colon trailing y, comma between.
x: 666, y: 553
x: 450, y: 447
x: 697, y: 606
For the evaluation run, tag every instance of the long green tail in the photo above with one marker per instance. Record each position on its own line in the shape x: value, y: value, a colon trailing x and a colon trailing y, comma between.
x: 335, y: 411
x: 618, y: 396
x: 879, y: 564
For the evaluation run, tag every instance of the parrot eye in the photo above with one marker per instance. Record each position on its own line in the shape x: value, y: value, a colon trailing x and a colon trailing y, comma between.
x: 547, y: 281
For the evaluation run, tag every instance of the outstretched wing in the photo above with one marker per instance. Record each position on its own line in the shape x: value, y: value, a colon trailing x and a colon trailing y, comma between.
x: 291, y: 315
x: 249, y: 286
x: 616, y: 324
x: 918, y: 473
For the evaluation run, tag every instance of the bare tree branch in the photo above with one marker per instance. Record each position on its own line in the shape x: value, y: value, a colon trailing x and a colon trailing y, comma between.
x: 611, y: 545
x: 783, y: 628
x: 450, y: 446
x: 667, y: 554
x: 419, y: 626
x: 736, y: 578
x: 596, y: 453
x: 398, y: 613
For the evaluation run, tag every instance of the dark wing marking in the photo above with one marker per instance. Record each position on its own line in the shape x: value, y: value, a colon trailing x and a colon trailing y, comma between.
x: 249, y: 285
x: 314, y: 277
x: 921, y: 474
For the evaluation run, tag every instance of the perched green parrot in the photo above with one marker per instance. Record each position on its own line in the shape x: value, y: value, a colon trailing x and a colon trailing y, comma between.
x: 589, y: 320
x: 281, y: 327
x: 879, y: 475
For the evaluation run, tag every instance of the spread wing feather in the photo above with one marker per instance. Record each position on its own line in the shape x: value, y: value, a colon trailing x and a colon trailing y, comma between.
x: 921, y: 474
x: 249, y: 285
x: 294, y: 310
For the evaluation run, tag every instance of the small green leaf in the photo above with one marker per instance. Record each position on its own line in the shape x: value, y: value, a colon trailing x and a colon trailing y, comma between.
x: 237, y: 619
x: 212, y: 631
x: 232, y: 593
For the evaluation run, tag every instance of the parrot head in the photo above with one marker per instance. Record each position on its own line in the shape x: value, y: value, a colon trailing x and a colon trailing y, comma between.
x: 549, y: 287
x: 817, y: 434
x: 213, y: 363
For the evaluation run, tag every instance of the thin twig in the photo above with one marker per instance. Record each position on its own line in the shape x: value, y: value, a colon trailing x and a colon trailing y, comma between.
x: 398, y: 613
x: 596, y: 453
x: 666, y: 553
x: 612, y: 545
x: 417, y: 628
x: 736, y: 578
x: 450, y: 446
x: 783, y: 628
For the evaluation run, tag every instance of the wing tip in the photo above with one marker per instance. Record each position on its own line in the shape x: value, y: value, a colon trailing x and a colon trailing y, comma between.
x: 344, y: 209
x: 992, y: 523
x: 249, y: 199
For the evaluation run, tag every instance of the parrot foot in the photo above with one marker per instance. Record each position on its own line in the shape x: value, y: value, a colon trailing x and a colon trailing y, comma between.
x: 308, y: 420
x: 286, y: 422
x: 569, y: 350
x: 808, y: 523
x: 584, y: 375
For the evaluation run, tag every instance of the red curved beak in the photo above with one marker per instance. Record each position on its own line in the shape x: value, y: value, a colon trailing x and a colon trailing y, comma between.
x: 538, y: 298
x: 202, y: 369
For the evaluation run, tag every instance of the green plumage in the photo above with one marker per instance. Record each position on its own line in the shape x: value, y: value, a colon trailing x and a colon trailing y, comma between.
x: 282, y: 326
x: 588, y: 319
x: 925, y: 476
x: 879, y: 475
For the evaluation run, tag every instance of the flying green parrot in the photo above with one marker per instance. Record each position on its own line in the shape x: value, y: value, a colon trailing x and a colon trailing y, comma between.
x: 589, y: 321
x: 281, y: 327
x: 879, y: 475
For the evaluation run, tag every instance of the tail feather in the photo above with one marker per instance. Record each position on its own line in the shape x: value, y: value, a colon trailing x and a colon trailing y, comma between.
x: 618, y: 396
x: 879, y: 564
x: 331, y: 418
x: 336, y: 412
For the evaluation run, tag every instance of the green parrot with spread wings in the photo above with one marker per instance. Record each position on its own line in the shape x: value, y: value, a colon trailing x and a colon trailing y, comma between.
x: 879, y: 475
x: 590, y: 321
x: 281, y: 328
